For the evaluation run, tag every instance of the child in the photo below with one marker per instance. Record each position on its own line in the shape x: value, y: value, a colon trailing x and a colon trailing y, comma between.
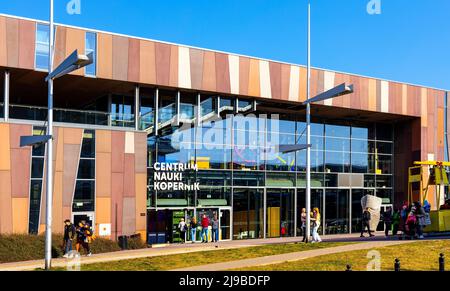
x: 410, y: 224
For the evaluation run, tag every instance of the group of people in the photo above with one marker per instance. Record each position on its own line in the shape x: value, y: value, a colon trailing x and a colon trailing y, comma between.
x: 205, y: 223
x: 410, y: 220
x: 315, y: 224
x: 82, y: 234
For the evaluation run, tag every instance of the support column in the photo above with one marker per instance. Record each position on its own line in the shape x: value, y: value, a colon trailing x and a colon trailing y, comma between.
x: 156, y: 116
x: 137, y: 107
x: 109, y: 110
x: 6, y: 96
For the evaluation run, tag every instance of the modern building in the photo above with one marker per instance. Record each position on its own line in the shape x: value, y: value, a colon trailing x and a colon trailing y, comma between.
x: 215, y: 118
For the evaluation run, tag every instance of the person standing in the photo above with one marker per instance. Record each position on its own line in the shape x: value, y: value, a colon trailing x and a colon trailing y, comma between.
x: 182, y: 229
x: 303, y: 220
x: 69, y: 235
x: 215, y: 229
x: 84, y: 234
x: 395, y: 222
x: 205, y: 226
x: 315, y: 220
x: 420, y: 218
x: 365, y: 221
x: 387, y: 217
x: 193, y: 226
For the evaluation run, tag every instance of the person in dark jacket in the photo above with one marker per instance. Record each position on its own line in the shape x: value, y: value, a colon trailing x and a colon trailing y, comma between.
x: 193, y: 227
x: 387, y: 217
x: 69, y: 236
x: 365, y: 221
x: 395, y: 222
x: 84, y: 232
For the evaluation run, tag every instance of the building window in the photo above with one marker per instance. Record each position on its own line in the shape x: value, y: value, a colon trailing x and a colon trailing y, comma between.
x: 91, y: 47
x: 42, y: 47
x: 84, y: 199
x: 37, y: 173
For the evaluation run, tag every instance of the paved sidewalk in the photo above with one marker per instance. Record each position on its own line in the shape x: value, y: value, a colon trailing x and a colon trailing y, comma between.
x: 174, y: 249
x: 291, y: 257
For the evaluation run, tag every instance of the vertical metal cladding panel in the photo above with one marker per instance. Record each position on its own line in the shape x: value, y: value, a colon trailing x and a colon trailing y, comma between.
x: 404, y: 99
x: 264, y: 80
x: 120, y: 58
x: 118, y: 151
x: 244, y: 74
x: 58, y: 214
x: 116, y: 203
x: 27, y: 40
x: 174, y: 63
x: 140, y: 151
x: 129, y: 216
x: 5, y: 202
x: 3, y: 42
x: 372, y: 90
x: 209, y: 71
x: 5, y: 153
x: 222, y: 73
x: 129, y: 176
x: 364, y: 93
x: 71, y: 158
x: 196, y: 63
x: 162, y: 53
x: 75, y: 40
x: 254, y: 81
x: 20, y: 172
x: 285, y: 79
x: 104, y: 56
x: 355, y: 99
x: 141, y: 203
x: 328, y: 83
x: 303, y: 84
x: 12, y: 42
x: 233, y: 63
x: 294, y: 84
x: 184, y: 68
x: 275, y: 80
x: 60, y: 46
x: 134, y: 60
x: 103, y: 174
x: 314, y: 84
x: 20, y: 215
x: 338, y: 79
x: 147, y: 66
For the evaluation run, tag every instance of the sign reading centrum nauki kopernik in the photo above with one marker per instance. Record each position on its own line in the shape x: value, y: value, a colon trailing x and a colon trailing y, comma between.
x: 169, y: 176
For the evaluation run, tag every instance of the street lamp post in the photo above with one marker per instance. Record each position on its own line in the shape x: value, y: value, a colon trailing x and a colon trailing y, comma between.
x: 49, y: 175
x: 308, y: 131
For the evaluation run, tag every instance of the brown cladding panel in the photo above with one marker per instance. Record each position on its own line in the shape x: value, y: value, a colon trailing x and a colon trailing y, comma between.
x: 222, y: 73
x: 140, y: 150
x: 104, y: 56
x: 128, y: 178
x: 355, y: 99
x: 134, y: 60
x: 71, y: 160
x: 75, y: 40
x: 12, y: 42
x: 103, y: 141
x: 27, y: 40
x: 60, y: 46
x: 254, y: 88
x: 120, y: 58
x: 244, y: 73
x: 103, y: 175
x: 275, y: 79
x: 338, y: 79
x: 3, y: 42
x: 285, y: 79
x: 5, y: 152
x: 302, y: 84
x: 16, y: 131
x: 173, y: 72
x: 196, y: 62
x: 118, y: 151
x: 116, y: 203
x: 364, y: 93
x: 5, y: 202
x: 314, y: 82
x: 20, y: 172
x: 162, y: 53
x: 147, y: 64
x: 129, y: 216
x: 320, y: 82
x: 209, y: 71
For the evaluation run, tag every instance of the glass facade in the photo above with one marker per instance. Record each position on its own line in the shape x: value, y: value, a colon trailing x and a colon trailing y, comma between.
x: 37, y: 174
x: 42, y: 46
x: 91, y: 47
x: 84, y: 198
x: 239, y: 166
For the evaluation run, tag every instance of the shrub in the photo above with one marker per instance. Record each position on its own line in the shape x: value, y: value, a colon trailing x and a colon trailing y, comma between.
x: 22, y: 247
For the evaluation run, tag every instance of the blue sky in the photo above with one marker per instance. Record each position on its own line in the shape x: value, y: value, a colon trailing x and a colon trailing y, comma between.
x: 409, y: 41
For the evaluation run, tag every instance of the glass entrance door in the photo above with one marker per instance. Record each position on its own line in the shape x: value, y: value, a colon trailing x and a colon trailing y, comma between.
x: 225, y: 224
